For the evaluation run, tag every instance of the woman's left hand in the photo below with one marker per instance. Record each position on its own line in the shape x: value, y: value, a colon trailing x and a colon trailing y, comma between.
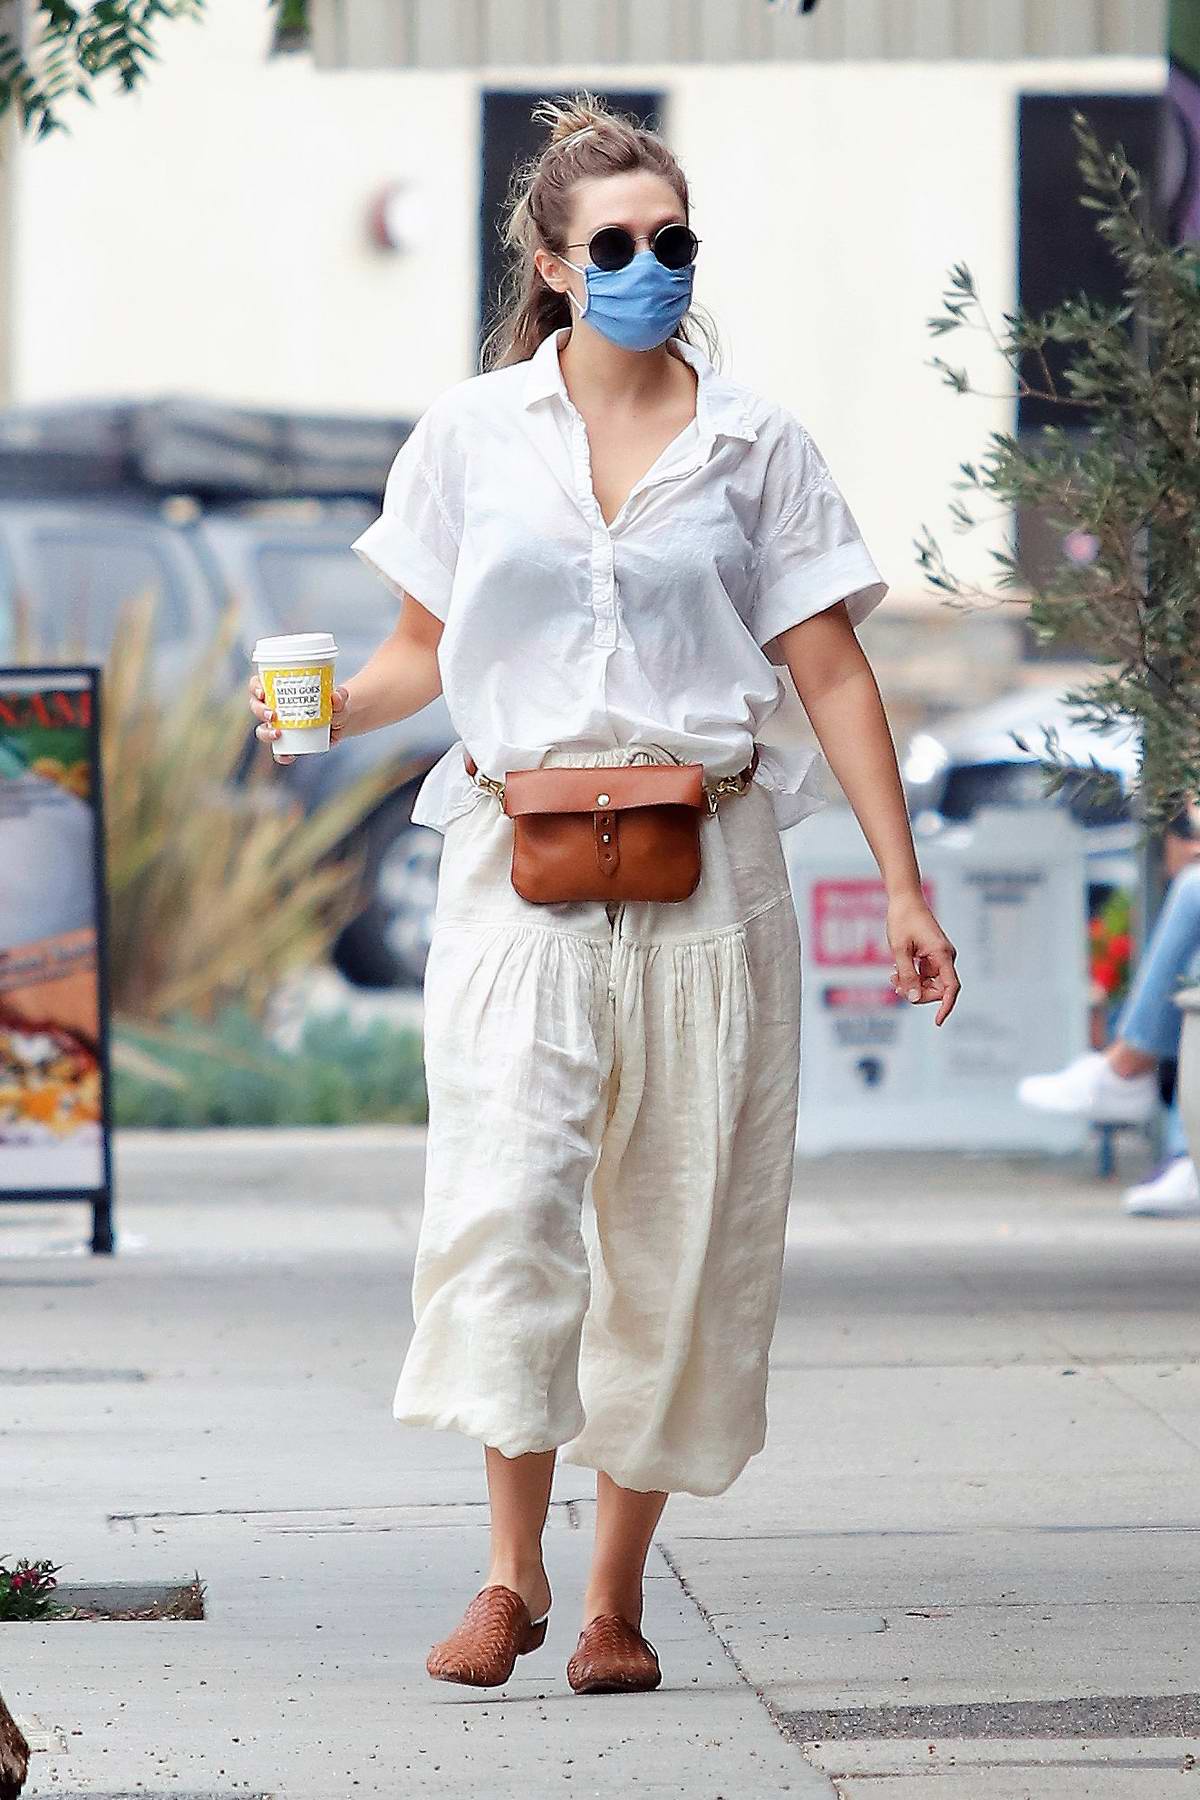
x: 924, y: 956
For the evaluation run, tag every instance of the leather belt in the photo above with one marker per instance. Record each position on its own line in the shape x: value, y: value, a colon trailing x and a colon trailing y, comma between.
x: 737, y: 782
x: 715, y: 791
x: 743, y: 774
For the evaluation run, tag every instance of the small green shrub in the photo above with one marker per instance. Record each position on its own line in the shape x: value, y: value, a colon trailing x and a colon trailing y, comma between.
x: 219, y: 888
x: 27, y: 1589
x: 186, y: 1074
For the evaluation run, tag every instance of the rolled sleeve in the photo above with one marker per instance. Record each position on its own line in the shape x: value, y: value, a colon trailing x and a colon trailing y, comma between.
x: 813, y: 554
x: 397, y: 555
x: 413, y: 545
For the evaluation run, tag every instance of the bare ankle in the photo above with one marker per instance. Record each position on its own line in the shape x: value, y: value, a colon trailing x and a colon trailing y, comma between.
x: 625, y: 1602
x: 525, y: 1576
x: 1126, y: 1061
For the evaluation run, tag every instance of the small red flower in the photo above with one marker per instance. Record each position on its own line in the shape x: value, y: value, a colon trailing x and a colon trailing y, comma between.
x: 1108, y: 975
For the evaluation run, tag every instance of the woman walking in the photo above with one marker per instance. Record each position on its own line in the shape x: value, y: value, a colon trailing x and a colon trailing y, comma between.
x: 605, y: 552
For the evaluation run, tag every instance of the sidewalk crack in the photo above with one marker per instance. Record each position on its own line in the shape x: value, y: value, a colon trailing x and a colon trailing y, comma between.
x: 764, y: 1700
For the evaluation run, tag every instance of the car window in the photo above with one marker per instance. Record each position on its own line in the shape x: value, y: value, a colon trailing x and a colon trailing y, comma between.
x: 323, y: 587
x: 1091, y: 797
x: 83, y: 578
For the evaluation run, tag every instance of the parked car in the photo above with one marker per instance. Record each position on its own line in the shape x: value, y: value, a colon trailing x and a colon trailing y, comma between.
x: 198, y: 503
x: 974, y: 759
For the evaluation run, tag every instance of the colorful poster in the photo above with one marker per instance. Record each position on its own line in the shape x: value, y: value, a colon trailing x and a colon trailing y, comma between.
x: 53, y: 1029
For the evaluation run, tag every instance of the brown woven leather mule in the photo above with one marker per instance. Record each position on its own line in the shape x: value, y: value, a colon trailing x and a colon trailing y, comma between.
x: 612, y: 1657
x: 483, y: 1648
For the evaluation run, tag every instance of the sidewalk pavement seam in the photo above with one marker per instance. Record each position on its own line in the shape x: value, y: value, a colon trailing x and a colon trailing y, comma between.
x: 1155, y: 1412
x: 767, y: 1705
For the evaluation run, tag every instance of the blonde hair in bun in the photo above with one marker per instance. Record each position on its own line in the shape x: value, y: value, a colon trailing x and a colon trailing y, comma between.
x: 586, y: 139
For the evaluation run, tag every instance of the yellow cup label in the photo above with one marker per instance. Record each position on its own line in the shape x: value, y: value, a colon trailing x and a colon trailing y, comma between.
x: 303, y: 697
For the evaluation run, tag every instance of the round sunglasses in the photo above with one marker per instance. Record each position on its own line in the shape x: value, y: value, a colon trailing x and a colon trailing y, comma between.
x: 613, y: 247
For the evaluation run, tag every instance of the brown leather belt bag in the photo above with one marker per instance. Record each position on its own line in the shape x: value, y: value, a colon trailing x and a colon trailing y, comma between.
x: 611, y: 832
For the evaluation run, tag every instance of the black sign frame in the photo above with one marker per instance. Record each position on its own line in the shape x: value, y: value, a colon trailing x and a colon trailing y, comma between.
x: 100, y: 1197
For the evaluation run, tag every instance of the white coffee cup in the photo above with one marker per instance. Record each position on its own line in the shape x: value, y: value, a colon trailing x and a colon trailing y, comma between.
x: 297, y: 676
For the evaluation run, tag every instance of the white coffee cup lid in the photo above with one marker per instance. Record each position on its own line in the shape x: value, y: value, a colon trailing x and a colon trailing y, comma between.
x: 294, y: 647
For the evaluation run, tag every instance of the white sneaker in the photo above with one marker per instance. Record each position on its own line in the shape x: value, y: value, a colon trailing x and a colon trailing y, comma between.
x: 1174, y: 1193
x: 1089, y: 1089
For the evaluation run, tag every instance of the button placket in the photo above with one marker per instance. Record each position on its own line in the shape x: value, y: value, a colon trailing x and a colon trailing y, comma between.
x: 603, y: 574
x: 604, y: 608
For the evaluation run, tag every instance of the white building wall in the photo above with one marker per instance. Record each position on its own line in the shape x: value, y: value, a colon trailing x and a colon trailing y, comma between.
x: 441, y: 33
x: 208, y: 233
x: 828, y: 248
x: 208, y: 236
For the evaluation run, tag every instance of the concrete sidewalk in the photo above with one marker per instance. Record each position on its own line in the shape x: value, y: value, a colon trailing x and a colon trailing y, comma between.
x: 966, y: 1563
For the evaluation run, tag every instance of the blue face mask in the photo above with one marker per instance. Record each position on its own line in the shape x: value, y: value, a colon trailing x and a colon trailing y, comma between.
x: 639, y: 306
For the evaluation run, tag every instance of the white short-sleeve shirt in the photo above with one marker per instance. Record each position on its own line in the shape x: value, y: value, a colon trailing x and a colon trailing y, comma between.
x: 560, y: 630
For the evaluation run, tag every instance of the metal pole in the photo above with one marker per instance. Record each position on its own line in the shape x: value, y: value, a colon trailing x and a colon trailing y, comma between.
x: 12, y: 22
x: 1174, y: 190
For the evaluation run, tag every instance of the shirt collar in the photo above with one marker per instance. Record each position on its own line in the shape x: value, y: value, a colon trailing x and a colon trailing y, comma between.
x: 721, y: 410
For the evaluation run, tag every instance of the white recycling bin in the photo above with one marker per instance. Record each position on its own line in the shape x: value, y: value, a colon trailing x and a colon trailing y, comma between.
x: 1009, y: 889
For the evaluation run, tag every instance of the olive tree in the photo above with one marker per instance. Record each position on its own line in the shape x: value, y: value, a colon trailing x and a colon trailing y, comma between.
x: 52, y: 51
x: 1124, y: 486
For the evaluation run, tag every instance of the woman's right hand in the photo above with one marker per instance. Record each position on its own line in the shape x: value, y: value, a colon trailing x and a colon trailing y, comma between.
x: 268, y: 726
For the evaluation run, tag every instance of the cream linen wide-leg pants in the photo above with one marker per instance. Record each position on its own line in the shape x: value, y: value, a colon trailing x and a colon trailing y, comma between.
x: 645, y: 1057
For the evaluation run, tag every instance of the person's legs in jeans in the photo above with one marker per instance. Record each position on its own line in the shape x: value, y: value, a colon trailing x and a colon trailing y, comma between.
x: 1148, y: 1023
x: 1118, y: 1085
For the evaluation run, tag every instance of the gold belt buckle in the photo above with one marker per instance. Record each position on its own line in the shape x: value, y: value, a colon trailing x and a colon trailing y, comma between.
x: 727, y: 784
x: 489, y: 785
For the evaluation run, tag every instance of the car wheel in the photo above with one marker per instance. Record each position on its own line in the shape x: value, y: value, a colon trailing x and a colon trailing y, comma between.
x: 387, y: 945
